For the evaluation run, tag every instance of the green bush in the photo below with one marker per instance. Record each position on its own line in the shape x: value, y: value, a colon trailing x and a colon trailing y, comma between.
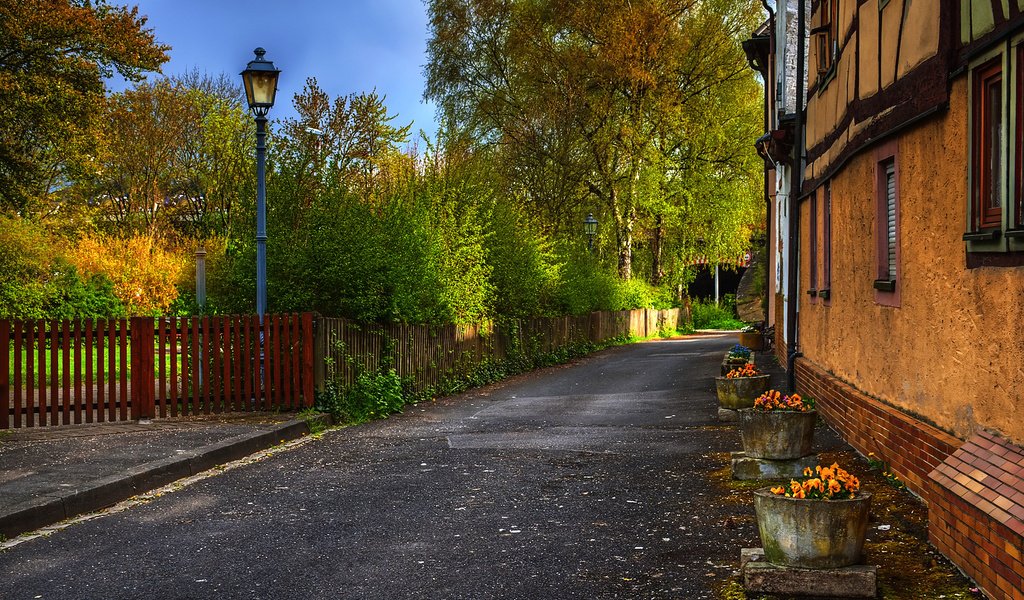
x: 71, y: 297
x: 523, y: 271
x: 373, y: 396
x: 39, y: 283
x: 709, y: 315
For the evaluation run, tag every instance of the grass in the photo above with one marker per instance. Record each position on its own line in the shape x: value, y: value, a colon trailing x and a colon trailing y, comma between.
x: 100, y: 360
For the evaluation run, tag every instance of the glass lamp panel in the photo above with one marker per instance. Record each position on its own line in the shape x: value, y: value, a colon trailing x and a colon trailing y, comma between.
x: 247, y: 83
x: 264, y: 87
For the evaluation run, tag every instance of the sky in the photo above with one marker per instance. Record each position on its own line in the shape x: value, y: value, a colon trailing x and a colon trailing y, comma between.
x: 348, y: 45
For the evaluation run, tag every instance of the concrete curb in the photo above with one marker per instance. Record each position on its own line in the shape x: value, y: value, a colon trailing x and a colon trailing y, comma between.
x: 48, y: 509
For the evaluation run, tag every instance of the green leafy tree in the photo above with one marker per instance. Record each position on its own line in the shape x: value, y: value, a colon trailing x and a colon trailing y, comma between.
x: 175, y: 155
x: 54, y: 55
x: 602, y: 96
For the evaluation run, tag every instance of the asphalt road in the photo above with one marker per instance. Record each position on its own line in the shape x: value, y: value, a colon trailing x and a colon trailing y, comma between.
x: 592, y: 480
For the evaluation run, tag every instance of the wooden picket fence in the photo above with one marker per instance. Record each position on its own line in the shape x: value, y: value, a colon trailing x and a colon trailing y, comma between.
x: 430, y: 355
x: 95, y: 370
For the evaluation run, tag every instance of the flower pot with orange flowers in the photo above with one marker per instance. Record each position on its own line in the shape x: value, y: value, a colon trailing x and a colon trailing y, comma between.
x: 816, y: 523
x: 740, y: 387
x: 778, y: 427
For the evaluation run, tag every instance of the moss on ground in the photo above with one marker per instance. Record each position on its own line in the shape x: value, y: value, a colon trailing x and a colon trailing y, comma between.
x: 909, y: 568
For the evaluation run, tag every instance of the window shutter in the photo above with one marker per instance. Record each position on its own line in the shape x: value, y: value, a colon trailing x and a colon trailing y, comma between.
x: 890, y: 211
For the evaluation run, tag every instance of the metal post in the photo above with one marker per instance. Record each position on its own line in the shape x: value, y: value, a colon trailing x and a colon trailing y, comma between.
x: 201, y: 278
x: 261, y: 217
x: 793, y: 258
x: 716, y: 284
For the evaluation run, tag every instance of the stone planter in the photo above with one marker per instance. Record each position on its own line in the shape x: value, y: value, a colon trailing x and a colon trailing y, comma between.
x: 812, y: 534
x: 752, y: 339
x: 777, y: 434
x: 740, y: 392
x: 729, y: 365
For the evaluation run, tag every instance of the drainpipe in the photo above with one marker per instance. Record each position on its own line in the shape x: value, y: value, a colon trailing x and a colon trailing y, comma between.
x: 794, y: 202
x: 768, y: 90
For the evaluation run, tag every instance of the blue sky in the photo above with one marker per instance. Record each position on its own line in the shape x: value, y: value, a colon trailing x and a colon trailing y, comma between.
x: 348, y: 45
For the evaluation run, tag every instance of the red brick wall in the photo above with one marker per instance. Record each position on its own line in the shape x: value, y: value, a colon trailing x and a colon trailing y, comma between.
x: 977, y: 513
x: 985, y: 472
x: 911, y: 447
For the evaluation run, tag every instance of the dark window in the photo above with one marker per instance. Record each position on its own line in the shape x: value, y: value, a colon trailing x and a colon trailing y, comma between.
x: 813, y: 244
x: 890, y: 221
x: 887, y: 225
x: 826, y: 230
x: 826, y: 35
x: 1018, y: 188
x: 988, y: 142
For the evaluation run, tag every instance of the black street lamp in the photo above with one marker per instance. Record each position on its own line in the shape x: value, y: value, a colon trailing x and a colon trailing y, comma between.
x: 260, y: 81
x: 590, y: 228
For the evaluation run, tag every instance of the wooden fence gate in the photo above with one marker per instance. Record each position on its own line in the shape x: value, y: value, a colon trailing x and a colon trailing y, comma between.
x: 96, y: 370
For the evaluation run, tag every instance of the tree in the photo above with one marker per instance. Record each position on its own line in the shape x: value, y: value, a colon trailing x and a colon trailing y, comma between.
x: 174, y: 154
x: 54, y: 55
x: 344, y: 144
x: 601, y: 95
x: 215, y: 162
x: 139, y: 162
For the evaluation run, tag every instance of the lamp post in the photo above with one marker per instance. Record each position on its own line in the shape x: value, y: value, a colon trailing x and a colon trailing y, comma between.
x: 590, y: 228
x: 260, y: 81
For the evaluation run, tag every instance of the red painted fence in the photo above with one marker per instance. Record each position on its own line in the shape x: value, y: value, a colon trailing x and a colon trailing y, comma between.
x: 85, y: 371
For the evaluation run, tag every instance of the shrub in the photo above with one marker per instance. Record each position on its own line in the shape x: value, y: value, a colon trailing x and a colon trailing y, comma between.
x: 524, y: 271
x: 39, y: 283
x: 373, y: 396
x: 144, y: 275
x: 708, y: 315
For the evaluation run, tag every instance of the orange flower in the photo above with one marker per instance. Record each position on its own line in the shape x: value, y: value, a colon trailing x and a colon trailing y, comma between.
x: 747, y: 370
x: 774, y: 400
x: 830, y: 483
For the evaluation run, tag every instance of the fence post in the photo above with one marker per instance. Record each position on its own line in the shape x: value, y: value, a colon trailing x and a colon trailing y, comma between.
x: 142, y: 371
x: 5, y: 357
x: 308, y: 363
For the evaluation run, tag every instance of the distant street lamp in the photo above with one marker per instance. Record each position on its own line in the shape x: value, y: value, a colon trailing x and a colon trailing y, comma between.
x: 590, y: 228
x: 260, y: 81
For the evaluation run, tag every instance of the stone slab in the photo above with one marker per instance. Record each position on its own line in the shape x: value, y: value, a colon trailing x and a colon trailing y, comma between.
x: 728, y: 415
x: 762, y: 577
x: 748, y: 468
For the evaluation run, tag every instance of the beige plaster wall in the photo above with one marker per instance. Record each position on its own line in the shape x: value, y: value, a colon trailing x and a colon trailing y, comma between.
x: 892, y: 20
x: 919, y: 40
x: 868, y: 58
x: 953, y: 352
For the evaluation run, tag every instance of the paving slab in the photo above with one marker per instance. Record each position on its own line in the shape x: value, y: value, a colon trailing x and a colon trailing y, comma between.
x: 50, y: 474
x: 762, y: 577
